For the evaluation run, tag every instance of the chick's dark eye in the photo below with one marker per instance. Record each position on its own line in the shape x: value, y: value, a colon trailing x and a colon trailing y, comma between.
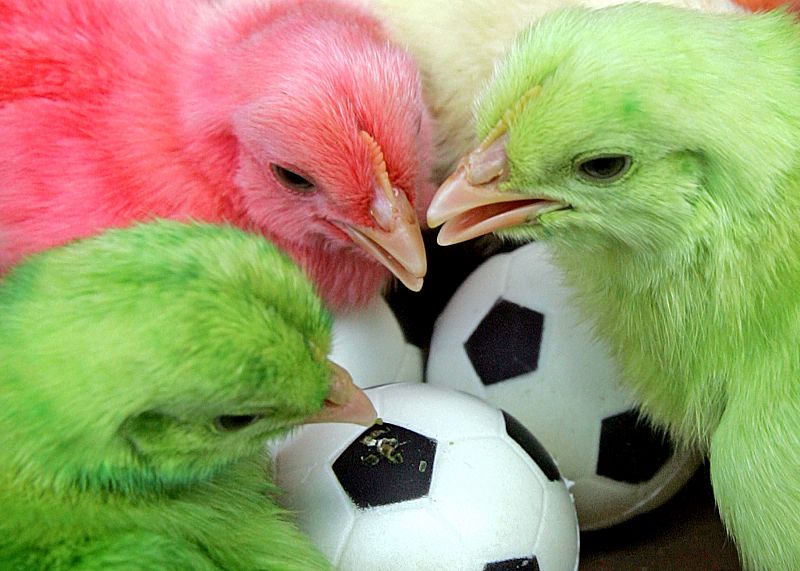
x: 234, y: 422
x: 292, y: 180
x: 604, y: 168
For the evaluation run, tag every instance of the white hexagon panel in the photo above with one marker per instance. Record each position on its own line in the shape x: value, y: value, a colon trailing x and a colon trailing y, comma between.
x: 371, y: 345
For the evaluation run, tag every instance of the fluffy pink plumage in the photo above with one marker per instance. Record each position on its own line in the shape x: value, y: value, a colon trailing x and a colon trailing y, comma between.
x: 119, y: 110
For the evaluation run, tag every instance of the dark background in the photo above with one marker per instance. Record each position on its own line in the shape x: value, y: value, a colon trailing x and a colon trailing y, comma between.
x: 683, y: 534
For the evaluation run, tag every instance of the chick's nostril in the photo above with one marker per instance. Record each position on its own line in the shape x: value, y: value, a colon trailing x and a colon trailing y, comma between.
x: 488, y: 164
x: 383, y: 211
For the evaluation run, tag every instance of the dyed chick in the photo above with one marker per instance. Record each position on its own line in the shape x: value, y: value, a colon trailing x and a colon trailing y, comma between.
x: 143, y: 370
x: 292, y: 118
x: 658, y: 151
x: 456, y: 45
x: 761, y: 5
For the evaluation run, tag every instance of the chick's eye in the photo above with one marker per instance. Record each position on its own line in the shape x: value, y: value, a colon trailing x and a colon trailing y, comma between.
x: 604, y: 168
x: 292, y: 180
x: 235, y: 422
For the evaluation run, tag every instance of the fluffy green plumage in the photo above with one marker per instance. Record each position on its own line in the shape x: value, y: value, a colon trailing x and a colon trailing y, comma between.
x: 689, y: 262
x: 457, y: 43
x: 119, y: 354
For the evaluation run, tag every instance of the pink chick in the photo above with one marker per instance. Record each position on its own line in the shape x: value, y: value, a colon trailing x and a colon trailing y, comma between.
x: 293, y: 118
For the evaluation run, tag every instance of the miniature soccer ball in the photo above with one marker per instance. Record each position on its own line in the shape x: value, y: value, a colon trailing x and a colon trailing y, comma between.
x: 445, y: 482
x: 371, y: 345
x: 511, y: 335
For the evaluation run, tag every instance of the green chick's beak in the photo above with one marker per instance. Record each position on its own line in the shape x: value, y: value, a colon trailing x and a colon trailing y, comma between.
x: 345, y: 402
x: 470, y: 202
x: 394, y: 238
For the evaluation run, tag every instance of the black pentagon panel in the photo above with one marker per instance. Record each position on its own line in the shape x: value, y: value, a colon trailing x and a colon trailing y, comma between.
x: 386, y: 464
x: 506, y: 343
x: 538, y: 453
x: 631, y: 450
x: 523, y: 564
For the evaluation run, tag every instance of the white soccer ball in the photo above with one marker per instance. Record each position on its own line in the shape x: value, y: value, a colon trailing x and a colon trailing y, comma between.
x: 371, y: 345
x: 511, y: 335
x: 446, y: 482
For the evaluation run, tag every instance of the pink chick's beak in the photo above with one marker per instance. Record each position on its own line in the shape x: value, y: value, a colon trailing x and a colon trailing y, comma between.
x: 395, y: 240
x: 470, y: 202
x: 345, y: 402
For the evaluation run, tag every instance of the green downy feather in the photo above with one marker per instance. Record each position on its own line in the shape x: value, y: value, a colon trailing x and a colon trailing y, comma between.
x: 688, y: 261
x: 131, y: 365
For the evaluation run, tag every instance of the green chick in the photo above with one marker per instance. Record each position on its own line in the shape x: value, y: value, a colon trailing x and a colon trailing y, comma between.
x: 142, y: 372
x: 657, y: 150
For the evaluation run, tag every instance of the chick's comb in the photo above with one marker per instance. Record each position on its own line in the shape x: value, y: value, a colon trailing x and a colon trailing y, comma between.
x: 509, y: 115
x: 378, y: 162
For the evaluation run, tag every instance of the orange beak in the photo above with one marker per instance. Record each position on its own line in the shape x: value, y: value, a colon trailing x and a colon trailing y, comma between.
x: 345, y: 402
x: 395, y: 239
x: 470, y: 202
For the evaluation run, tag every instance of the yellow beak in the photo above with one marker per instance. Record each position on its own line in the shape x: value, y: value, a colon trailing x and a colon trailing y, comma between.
x: 345, y: 402
x: 395, y: 239
x: 470, y: 202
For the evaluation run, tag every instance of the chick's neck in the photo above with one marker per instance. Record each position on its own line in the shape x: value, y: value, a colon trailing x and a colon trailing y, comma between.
x: 685, y: 324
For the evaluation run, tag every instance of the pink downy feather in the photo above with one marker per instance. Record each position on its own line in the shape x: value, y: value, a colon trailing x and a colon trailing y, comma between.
x: 115, y: 111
